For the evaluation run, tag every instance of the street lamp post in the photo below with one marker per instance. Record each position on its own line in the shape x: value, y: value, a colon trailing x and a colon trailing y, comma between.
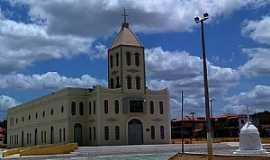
x: 206, y: 93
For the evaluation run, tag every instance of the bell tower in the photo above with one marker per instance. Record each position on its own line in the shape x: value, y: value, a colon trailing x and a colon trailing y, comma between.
x: 126, y: 63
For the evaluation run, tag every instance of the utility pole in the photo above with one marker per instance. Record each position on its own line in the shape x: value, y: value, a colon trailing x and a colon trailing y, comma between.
x: 193, y: 126
x: 206, y: 92
x: 211, y: 107
x: 212, y: 117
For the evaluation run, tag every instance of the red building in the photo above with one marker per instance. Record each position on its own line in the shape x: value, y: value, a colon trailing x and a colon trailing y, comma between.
x: 3, y: 133
x: 195, y: 127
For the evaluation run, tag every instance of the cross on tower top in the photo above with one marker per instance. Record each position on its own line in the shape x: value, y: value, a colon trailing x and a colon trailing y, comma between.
x: 125, y: 23
x: 125, y: 16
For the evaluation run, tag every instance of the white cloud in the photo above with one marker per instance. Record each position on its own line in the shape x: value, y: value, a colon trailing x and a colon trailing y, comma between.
x: 181, y: 71
x: 99, y: 17
x: 255, y: 100
x: 258, y: 63
x: 99, y: 51
x: 174, y: 64
x: 186, y: 70
x: 47, y: 81
x: 64, y: 28
x: 22, y: 44
x: 7, y: 102
x: 258, y: 30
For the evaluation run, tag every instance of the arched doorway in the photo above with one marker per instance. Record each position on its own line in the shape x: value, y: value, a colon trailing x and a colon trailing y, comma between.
x: 135, y: 132
x: 78, y: 133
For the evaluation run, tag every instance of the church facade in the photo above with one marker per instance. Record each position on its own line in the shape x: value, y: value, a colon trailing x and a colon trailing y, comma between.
x: 126, y: 112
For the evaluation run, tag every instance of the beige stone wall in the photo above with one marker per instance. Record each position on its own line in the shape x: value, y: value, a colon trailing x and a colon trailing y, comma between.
x: 98, y: 120
x: 88, y: 119
x: 42, y: 114
x: 124, y: 70
x: 112, y: 119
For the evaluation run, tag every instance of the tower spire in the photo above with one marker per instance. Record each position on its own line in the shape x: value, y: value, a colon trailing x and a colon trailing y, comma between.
x: 125, y: 23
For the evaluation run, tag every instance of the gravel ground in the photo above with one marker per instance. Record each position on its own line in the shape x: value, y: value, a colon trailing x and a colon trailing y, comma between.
x: 217, y: 157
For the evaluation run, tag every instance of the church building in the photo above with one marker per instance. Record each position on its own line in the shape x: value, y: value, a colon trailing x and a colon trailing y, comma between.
x: 125, y: 113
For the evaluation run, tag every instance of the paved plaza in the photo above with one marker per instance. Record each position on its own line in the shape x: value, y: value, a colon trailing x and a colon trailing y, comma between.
x: 138, y: 152
x: 151, y: 149
x: 153, y: 152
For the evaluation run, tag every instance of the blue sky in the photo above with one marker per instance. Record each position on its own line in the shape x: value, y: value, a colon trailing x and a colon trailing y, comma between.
x: 46, y: 46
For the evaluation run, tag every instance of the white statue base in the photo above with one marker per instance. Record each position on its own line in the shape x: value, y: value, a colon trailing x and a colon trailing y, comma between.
x: 251, y: 152
x: 250, y: 141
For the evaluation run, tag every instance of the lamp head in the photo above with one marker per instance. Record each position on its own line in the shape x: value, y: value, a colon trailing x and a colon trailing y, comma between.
x: 205, y: 15
x: 197, y: 19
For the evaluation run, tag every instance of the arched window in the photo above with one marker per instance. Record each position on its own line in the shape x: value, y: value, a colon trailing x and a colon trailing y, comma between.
x: 45, y: 137
x: 117, y: 82
x: 62, y: 109
x: 138, y: 83
x: 27, y: 138
x: 128, y: 58
x: 30, y: 138
x: 90, y: 107
x: 42, y: 141
x: 51, y: 111
x: 29, y: 117
x: 73, y: 108
x: 116, y: 105
x: 90, y: 134
x: 117, y: 59
x: 81, y: 108
x: 22, y: 138
x: 60, y: 135
x: 94, y: 107
x: 106, y: 109
x: 64, y: 134
x: 111, y: 61
x: 36, y: 115
x: 161, y: 107
x: 94, y: 133
x: 129, y: 82
x: 117, y: 133
x: 162, y: 136
x: 137, y: 59
x: 52, y: 135
x: 106, y: 133
x: 112, y: 84
x: 152, y: 107
x: 153, y: 135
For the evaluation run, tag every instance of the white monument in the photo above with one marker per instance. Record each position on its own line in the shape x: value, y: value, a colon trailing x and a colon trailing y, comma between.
x: 250, y: 141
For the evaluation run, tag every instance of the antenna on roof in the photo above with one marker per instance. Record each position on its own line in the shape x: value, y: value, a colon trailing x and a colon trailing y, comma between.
x: 125, y: 23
